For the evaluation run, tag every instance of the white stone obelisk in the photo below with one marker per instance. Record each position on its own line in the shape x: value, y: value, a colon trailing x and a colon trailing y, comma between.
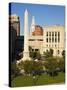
x: 26, y: 32
x: 32, y: 25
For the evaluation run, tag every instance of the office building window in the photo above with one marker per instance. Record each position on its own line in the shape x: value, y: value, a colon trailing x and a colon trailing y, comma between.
x: 55, y: 39
x: 46, y: 39
x: 36, y: 49
x: 58, y: 39
x: 32, y: 49
x: 58, y: 52
x: 52, y: 33
x: 49, y: 39
x: 31, y: 39
x: 47, y: 34
x: 39, y: 39
x: 55, y: 34
x: 58, y: 36
x: 52, y: 39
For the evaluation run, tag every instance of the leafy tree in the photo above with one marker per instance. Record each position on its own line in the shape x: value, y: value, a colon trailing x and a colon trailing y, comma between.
x: 63, y: 54
x: 31, y: 67
x: 38, y: 55
x: 61, y: 64
x: 27, y: 65
x: 51, y: 65
x: 37, y: 66
x: 14, y: 71
x: 51, y: 52
x: 20, y: 65
x: 48, y: 54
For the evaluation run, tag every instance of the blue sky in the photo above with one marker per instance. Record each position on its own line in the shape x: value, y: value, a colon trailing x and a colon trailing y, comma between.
x: 44, y: 14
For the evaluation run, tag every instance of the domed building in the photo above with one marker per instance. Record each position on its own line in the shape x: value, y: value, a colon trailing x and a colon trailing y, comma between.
x: 47, y: 37
x: 38, y: 31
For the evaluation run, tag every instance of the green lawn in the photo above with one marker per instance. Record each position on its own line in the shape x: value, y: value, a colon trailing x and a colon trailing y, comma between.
x: 39, y: 80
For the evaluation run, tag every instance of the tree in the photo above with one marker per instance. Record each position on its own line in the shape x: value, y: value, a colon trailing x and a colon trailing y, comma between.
x: 14, y: 71
x: 37, y: 66
x: 48, y: 54
x: 27, y: 66
x: 61, y: 64
x: 63, y: 54
x: 20, y: 65
x: 51, y: 66
x: 51, y: 52
x: 38, y: 55
x: 31, y: 67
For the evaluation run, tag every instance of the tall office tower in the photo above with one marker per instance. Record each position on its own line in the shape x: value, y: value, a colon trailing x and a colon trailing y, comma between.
x: 14, y: 22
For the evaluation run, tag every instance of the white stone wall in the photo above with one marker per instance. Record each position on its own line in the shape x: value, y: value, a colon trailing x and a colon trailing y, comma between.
x: 54, y: 45
x: 35, y: 43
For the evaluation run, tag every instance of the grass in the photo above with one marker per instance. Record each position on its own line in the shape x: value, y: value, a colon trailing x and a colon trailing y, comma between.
x: 39, y: 80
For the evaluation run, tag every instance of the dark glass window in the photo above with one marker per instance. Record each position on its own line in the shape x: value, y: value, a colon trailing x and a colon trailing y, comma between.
x: 55, y: 34
x: 31, y: 39
x: 58, y: 36
x: 49, y: 39
x: 36, y: 49
x: 40, y: 39
x: 58, y: 39
x: 55, y: 39
x: 58, y: 52
x: 47, y: 34
x: 46, y: 39
x: 32, y: 49
x: 52, y: 33
x: 52, y: 39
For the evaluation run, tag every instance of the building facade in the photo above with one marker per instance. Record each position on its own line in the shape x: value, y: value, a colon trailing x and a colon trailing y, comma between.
x: 53, y: 37
x: 14, y: 21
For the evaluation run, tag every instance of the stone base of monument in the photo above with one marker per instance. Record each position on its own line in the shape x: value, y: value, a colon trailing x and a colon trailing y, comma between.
x: 26, y: 56
x: 24, y: 59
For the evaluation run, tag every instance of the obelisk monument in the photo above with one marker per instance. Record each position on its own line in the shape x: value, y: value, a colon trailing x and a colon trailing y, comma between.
x: 33, y: 24
x: 26, y: 33
x: 32, y: 29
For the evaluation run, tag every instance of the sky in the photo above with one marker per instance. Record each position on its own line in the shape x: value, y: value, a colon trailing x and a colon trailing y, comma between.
x: 44, y: 14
